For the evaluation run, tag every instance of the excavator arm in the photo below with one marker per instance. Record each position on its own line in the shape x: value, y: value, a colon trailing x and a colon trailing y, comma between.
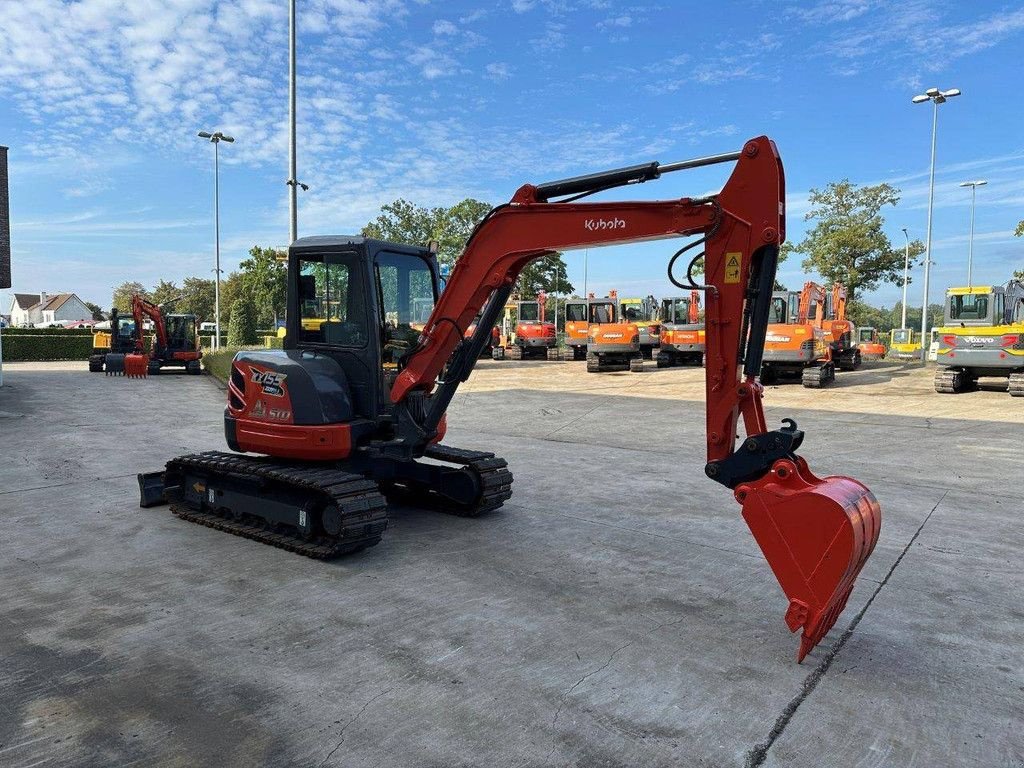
x: 815, y: 533
x: 142, y: 309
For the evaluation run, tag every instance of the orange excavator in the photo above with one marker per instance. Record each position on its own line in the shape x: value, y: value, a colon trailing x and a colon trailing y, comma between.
x: 577, y: 328
x: 682, y: 332
x: 613, y: 343
x: 797, y: 342
x: 336, y: 428
x: 844, y: 349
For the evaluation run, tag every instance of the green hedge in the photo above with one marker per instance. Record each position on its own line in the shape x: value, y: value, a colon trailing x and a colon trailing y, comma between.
x: 46, y: 347
x: 47, y: 331
x: 219, y: 363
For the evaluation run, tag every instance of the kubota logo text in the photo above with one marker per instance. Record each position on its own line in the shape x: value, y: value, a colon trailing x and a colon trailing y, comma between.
x: 271, y: 381
x: 594, y: 225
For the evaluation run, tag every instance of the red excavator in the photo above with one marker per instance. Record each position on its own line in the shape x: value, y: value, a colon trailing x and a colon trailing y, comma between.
x: 175, y: 342
x: 534, y: 335
x: 337, y: 428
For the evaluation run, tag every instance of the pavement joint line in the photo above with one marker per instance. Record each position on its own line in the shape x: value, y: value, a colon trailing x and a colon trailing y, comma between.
x: 65, y: 485
x: 759, y: 753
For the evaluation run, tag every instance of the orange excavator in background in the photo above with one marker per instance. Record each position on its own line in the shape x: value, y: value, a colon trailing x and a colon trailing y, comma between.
x: 534, y: 336
x: 577, y: 328
x: 797, y: 342
x: 682, y: 332
x: 337, y: 427
x: 845, y: 350
x: 613, y: 343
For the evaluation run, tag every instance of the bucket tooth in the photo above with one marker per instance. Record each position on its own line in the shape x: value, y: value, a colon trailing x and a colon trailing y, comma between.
x: 816, y: 534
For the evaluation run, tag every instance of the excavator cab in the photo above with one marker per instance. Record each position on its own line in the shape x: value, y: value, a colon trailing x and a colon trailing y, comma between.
x: 682, y: 332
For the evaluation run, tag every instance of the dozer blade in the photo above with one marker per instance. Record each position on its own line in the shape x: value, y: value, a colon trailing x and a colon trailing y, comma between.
x: 136, y: 366
x: 816, y: 534
x: 151, y: 489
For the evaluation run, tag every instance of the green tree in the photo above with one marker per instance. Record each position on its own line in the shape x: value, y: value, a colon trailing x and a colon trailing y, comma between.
x: 197, y: 298
x: 1019, y: 232
x: 242, y: 329
x: 406, y: 222
x: 548, y: 274
x: 847, y: 244
x: 164, y: 291
x: 266, y: 277
x: 232, y: 288
x: 97, y: 313
x: 122, y: 298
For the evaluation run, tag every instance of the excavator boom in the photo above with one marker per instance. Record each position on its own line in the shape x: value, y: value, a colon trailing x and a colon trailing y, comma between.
x: 815, y: 533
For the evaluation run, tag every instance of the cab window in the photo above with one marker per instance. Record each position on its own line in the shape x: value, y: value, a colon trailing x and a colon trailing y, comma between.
x: 968, y: 307
x: 778, y: 310
x: 602, y: 313
x: 529, y: 312
x: 406, y: 286
x: 576, y: 313
x: 331, y: 305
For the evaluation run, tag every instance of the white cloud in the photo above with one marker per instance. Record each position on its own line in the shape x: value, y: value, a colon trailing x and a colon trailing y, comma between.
x: 499, y: 70
x: 444, y: 27
x: 613, y: 22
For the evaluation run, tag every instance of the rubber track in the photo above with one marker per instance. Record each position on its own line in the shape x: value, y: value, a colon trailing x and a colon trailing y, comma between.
x: 1015, y: 386
x: 817, y: 376
x: 495, y: 477
x: 948, y: 382
x: 363, y: 508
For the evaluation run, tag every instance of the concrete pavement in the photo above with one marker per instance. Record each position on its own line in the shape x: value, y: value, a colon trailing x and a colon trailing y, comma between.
x: 615, y: 612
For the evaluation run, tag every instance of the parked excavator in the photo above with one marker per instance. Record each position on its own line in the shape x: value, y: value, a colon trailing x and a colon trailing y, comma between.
x: 175, y: 342
x: 336, y: 429
x: 904, y: 344
x: 644, y: 313
x: 983, y: 335
x: 110, y: 346
x: 534, y: 336
x: 613, y: 344
x: 870, y: 344
x: 845, y: 353
x: 577, y: 328
x: 682, y: 331
x: 797, y: 343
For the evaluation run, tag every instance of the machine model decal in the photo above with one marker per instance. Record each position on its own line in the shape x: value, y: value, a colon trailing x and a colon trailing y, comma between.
x: 272, y: 382
x: 261, y: 411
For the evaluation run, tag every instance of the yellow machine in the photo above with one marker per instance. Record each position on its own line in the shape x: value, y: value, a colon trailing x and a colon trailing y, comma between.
x: 904, y: 344
x: 982, y: 335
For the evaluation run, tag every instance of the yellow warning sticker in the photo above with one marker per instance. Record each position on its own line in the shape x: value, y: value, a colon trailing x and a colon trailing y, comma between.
x: 733, y: 261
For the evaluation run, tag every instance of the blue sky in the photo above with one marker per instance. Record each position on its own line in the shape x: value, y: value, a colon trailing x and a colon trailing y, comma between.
x: 100, y: 101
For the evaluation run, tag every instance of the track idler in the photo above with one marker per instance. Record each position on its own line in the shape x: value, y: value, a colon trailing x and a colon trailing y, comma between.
x: 816, y: 534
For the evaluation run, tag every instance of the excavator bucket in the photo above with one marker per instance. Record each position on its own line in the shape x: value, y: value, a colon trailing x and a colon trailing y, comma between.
x: 816, y: 535
x: 136, y: 366
x: 114, y: 364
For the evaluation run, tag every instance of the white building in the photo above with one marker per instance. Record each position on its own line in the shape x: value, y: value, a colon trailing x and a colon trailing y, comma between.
x: 31, y: 309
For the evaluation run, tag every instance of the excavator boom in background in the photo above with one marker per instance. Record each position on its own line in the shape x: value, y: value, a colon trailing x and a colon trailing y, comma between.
x: 337, y: 427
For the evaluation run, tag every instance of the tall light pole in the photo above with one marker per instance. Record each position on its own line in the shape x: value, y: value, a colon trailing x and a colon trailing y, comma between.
x: 293, y: 182
x: 970, y: 248
x: 906, y: 276
x: 937, y: 97
x: 216, y: 138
